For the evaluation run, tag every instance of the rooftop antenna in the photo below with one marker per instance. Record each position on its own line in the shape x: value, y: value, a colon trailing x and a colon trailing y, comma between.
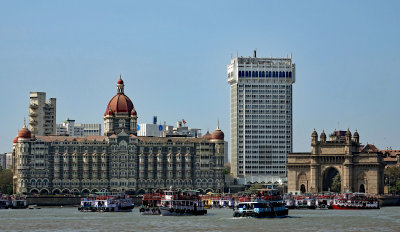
x: 255, y: 53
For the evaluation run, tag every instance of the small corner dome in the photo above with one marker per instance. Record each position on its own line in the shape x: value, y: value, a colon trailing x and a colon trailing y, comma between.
x: 314, y: 133
x: 15, y: 140
x: 24, y: 133
x: 323, y: 135
x: 218, y: 134
x: 207, y: 135
x: 356, y: 134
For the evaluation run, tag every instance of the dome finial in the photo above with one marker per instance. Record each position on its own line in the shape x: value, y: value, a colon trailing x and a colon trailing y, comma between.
x: 217, y: 124
x: 24, y: 122
x: 120, y: 85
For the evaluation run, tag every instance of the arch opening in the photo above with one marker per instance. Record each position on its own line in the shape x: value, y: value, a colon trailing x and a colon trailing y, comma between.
x: 362, y: 188
x: 331, y: 180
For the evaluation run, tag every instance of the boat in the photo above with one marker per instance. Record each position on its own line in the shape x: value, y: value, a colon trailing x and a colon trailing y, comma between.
x: 267, y: 203
x: 185, y: 203
x: 19, y: 202
x: 323, y: 202
x: 151, y: 203
x: 305, y: 203
x: 4, y: 202
x: 355, y: 201
x: 106, y: 202
x: 217, y: 200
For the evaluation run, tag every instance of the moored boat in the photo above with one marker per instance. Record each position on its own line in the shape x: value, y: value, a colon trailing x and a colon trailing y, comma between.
x: 19, y: 202
x: 4, y: 203
x: 267, y: 203
x: 151, y: 203
x: 106, y: 202
x: 355, y: 201
x: 185, y: 203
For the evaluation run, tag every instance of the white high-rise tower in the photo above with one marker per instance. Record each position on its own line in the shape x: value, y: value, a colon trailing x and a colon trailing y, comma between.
x: 261, y: 117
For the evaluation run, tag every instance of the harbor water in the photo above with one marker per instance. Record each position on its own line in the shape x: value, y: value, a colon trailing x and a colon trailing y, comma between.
x: 69, y: 219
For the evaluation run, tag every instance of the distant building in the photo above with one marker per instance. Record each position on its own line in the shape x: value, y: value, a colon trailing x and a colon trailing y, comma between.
x: 6, y: 160
x: 70, y: 128
x: 3, y: 160
x: 42, y: 114
x: 391, y: 157
x: 360, y: 168
x: 156, y: 130
x: 261, y: 117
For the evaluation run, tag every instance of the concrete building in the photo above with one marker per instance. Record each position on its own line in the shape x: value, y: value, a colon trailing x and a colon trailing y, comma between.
x: 360, y: 168
x: 118, y: 161
x: 261, y: 117
x: 6, y: 160
x: 3, y: 160
x: 156, y: 130
x: 42, y: 114
x: 70, y: 128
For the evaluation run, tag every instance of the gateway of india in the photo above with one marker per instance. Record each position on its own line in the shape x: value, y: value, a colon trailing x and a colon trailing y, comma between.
x: 360, y: 168
x: 118, y: 161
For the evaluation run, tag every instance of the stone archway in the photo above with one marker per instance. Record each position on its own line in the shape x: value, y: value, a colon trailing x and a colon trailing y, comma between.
x: 331, y: 180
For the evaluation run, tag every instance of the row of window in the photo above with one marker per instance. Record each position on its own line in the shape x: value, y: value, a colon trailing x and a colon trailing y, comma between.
x: 263, y: 172
x: 287, y: 74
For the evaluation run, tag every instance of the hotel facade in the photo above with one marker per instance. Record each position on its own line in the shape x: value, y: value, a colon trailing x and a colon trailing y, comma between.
x: 118, y: 161
x: 261, y: 117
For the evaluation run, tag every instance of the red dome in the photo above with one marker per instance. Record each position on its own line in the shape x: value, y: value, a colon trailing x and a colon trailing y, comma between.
x: 217, y: 134
x: 24, y: 133
x: 120, y: 103
x: 15, y: 140
x: 207, y: 135
x: 133, y: 112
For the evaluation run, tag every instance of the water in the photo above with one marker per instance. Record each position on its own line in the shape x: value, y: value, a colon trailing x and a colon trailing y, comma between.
x: 70, y: 219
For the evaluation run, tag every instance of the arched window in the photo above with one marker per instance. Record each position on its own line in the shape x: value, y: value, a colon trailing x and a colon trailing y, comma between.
x: 287, y: 74
x: 247, y: 73
x: 263, y: 74
x: 240, y: 74
x: 290, y: 74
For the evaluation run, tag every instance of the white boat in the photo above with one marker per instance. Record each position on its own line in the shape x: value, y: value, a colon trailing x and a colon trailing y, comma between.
x: 186, y: 203
x: 267, y: 203
x: 4, y: 203
x: 106, y: 202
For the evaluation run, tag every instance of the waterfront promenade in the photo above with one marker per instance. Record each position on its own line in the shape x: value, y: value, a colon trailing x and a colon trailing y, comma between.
x: 69, y: 219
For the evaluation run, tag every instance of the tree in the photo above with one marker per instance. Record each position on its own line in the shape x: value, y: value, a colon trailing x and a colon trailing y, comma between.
x: 392, y: 178
x: 6, y: 178
x: 336, y: 184
x: 254, y: 187
x: 227, y: 168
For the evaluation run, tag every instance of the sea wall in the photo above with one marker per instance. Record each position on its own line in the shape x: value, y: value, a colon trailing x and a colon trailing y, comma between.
x: 65, y: 200
x: 389, y: 200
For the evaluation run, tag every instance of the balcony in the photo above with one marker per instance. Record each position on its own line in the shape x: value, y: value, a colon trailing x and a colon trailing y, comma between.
x: 33, y: 106
x: 33, y: 122
x: 32, y: 114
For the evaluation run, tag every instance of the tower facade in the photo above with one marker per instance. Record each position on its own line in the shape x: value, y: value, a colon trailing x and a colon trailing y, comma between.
x: 261, y: 117
x: 120, y: 115
x: 42, y: 114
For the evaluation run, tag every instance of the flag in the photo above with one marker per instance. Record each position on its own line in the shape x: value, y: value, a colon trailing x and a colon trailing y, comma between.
x: 183, y: 120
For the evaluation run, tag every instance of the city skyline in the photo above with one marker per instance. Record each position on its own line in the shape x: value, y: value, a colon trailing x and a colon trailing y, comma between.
x: 174, y: 58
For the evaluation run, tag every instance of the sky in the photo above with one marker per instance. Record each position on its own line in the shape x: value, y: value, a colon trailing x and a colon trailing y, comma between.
x: 173, y: 56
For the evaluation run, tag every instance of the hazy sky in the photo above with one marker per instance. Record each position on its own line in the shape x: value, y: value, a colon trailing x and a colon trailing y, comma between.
x: 173, y: 56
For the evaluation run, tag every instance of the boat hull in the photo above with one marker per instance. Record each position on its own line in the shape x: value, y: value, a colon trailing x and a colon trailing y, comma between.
x: 338, y: 207
x: 178, y: 212
x: 274, y: 214
x: 150, y: 211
